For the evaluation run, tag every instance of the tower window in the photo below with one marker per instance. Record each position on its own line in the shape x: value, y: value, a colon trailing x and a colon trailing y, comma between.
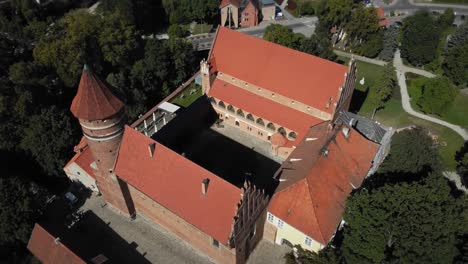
x: 215, y: 243
x: 308, y: 241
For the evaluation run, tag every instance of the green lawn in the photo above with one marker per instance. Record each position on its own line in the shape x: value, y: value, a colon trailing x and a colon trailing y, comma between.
x: 456, y: 113
x: 202, y: 28
x: 393, y: 115
x: 188, y: 95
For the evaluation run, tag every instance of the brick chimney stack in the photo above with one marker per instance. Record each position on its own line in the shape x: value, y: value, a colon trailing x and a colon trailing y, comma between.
x: 205, y: 183
x: 101, y: 116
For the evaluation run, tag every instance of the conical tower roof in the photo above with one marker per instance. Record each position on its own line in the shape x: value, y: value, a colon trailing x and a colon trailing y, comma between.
x: 94, y: 100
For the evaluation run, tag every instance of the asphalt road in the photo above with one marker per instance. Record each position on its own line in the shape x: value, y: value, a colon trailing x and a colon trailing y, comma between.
x: 410, y: 6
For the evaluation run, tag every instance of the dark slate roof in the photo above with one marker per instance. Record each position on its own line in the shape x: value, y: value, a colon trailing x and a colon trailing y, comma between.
x: 371, y: 129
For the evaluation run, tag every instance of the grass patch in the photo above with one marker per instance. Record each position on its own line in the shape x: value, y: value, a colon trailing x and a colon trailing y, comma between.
x: 393, y: 115
x: 188, y: 95
x: 202, y: 28
x: 456, y: 113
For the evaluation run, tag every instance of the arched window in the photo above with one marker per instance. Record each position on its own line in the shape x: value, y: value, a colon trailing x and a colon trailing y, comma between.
x: 212, y: 100
x: 221, y: 104
x: 240, y: 112
x: 282, y: 131
x: 230, y: 108
x: 271, y: 126
x: 250, y: 117
x: 292, y: 135
x: 260, y: 122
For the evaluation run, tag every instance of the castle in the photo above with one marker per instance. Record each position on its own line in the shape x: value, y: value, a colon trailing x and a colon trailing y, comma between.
x: 202, y: 181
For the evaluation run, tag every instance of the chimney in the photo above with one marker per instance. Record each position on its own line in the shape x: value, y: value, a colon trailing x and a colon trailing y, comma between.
x: 57, y: 240
x: 151, y: 149
x: 204, y: 186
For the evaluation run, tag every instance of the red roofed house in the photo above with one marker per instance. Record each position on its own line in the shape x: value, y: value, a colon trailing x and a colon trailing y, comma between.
x: 239, y: 13
x: 49, y: 249
x: 383, y: 22
x: 266, y: 88
x: 308, y: 204
x: 287, y: 100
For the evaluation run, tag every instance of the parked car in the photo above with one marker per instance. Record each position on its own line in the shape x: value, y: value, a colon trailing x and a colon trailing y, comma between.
x: 71, y: 198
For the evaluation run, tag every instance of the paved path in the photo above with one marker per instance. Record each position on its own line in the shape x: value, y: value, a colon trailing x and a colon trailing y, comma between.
x: 405, y: 99
x: 401, y: 70
x: 151, y: 240
x: 411, y: 6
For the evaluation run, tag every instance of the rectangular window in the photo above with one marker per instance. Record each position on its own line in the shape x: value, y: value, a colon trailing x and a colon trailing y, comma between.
x: 215, y: 243
x: 280, y: 223
x: 308, y: 241
x: 271, y: 218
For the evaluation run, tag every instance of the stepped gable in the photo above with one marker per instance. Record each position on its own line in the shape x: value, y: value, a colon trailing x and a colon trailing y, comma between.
x: 94, y: 100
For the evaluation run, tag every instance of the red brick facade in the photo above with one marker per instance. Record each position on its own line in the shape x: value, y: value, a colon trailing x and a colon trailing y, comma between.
x: 249, y: 16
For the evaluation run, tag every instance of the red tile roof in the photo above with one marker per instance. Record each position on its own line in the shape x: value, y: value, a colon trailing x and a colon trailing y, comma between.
x: 296, y: 75
x: 382, y: 19
x: 94, y: 100
x: 175, y: 182
x: 259, y: 106
x: 315, y: 204
x: 227, y: 2
x: 48, y: 251
x: 83, y: 157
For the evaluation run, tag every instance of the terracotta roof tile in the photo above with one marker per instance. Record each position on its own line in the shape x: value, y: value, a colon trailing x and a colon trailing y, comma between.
x: 296, y: 75
x: 175, y: 182
x: 94, y: 100
x: 315, y: 204
x: 227, y: 2
x: 48, y: 251
x: 264, y: 108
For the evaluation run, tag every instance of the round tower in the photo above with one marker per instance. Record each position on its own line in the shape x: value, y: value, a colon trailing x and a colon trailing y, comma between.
x: 101, y: 116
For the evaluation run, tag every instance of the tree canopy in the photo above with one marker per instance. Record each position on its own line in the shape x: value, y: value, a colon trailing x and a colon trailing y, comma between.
x: 412, y: 151
x: 436, y: 95
x: 421, y: 35
x: 456, y: 63
x: 407, y: 222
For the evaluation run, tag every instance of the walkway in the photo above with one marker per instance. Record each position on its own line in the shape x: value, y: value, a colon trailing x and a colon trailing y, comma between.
x: 405, y: 99
x: 401, y: 70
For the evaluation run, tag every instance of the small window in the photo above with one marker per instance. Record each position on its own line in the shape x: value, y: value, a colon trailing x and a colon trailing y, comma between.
x: 271, y: 218
x: 250, y: 117
x: 221, y: 104
x: 78, y: 173
x: 308, y: 241
x: 230, y: 108
x: 215, y: 243
x: 280, y: 223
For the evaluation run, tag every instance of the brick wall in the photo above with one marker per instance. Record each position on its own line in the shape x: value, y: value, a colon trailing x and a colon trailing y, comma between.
x: 176, y: 225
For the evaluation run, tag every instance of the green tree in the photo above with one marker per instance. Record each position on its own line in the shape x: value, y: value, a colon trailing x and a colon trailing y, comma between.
x: 80, y: 38
x: 304, y: 256
x: 336, y: 13
x: 47, y: 139
x: 412, y: 151
x: 447, y: 18
x: 460, y: 36
x: 17, y: 213
x: 404, y: 223
x: 390, y: 43
x: 387, y: 84
x: 456, y: 63
x: 420, y: 39
x: 462, y: 163
x: 436, y: 95
x: 176, y: 31
x: 372, y: 46
x: 363, y: 23
x: 319, y: 46
x: 283, y: 35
